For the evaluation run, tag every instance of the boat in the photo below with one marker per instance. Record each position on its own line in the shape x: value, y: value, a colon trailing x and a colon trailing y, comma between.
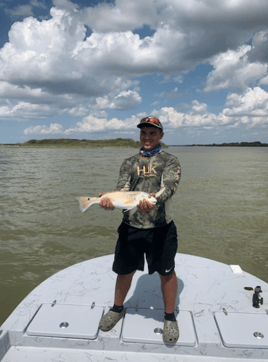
x: 222, y: 313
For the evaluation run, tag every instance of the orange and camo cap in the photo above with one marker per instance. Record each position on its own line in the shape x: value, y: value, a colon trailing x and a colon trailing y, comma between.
x: 150, y: 121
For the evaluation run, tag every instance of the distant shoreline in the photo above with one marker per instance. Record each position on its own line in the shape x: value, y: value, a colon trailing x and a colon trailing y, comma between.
x: 113, y: 143
x: 75, y: 143
x: 231, y: 144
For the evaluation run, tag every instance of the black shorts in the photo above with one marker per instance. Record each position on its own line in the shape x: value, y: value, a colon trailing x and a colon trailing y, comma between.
x: 159, y: 245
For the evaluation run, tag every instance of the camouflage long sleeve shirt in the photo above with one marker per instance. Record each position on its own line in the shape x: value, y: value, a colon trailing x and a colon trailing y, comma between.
x: 159, y: 174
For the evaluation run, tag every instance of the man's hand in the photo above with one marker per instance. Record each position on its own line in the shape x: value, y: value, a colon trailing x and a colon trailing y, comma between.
x: 106, y: 203
x: 146, y: 206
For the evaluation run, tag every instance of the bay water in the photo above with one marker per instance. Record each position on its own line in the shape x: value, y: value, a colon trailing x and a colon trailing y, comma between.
x: 220, y: 210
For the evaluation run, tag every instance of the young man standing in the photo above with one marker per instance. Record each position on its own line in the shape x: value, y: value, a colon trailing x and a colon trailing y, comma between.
x: 150, y: 231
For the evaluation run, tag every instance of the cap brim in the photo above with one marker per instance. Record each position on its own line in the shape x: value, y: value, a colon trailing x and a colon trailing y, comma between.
x: 140, y: 125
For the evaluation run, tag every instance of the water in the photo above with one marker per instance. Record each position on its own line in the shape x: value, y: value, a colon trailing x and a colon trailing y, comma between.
x: 220, y: 210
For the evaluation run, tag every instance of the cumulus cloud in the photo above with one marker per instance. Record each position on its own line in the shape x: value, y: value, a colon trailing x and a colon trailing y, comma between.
x: 123, y: 15
x: 124, y: 100
x: 249, y: 109
x: 84, y: 60
x: 259, y: 51
x: 89, y: 124
x: 198, y: 107
x: 175, y: 93
x: 21, y: 10
x: 232, y: 70
x: 25, y: 111
x: 57, y: 48
x: 25, y: 10
x: 44, y: 130
x: 38, y: 4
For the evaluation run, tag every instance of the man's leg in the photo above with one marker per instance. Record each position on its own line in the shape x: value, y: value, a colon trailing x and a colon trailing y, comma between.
x: 109, y: 320
x: 169, y: 290
x: 123, y: 283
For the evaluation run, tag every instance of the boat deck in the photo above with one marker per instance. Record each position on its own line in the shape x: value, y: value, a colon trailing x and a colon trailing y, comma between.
x: 58, y: 321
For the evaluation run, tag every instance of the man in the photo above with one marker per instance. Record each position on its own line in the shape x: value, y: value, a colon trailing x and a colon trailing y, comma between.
x: 150, y: 230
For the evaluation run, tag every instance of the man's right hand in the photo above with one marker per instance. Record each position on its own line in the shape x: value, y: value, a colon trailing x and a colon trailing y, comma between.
x: 106, y: 203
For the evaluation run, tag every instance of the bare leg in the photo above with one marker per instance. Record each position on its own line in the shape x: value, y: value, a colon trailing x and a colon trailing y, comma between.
x: 123, y: 283
x: 109, y: 320
x: 169, y: 290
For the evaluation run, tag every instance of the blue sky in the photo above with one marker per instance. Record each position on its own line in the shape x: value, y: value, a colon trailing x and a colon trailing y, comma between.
x: 92, y: 69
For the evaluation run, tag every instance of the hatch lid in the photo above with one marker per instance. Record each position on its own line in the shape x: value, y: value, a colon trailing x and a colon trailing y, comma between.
x: 68, y: 321
x: 145, y: 326
x: 244, y: 330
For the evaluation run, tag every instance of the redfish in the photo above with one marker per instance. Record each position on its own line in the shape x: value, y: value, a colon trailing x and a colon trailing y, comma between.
x: 126, y: 200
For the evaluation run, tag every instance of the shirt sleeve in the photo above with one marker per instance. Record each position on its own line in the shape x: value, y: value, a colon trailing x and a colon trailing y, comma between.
x: 170, y: 180
x: 123, y: 183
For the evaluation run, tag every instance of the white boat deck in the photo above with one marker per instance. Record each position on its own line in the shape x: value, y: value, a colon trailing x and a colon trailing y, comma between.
x: 59, y: 320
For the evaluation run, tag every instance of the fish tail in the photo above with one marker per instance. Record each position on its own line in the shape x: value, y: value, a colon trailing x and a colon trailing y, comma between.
x: 86, y: 202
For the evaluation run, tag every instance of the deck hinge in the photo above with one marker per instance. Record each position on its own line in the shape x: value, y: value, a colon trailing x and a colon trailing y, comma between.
x: 224, y: 311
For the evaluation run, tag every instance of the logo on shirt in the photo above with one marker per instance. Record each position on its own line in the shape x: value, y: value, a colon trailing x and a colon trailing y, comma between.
x: 149, y: 172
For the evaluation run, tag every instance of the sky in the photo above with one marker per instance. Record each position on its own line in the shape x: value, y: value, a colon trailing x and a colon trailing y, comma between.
x: 92, y: 69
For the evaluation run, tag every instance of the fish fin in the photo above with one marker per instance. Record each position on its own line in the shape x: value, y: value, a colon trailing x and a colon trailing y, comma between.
x: 86, y: 202
x: 132, y: 211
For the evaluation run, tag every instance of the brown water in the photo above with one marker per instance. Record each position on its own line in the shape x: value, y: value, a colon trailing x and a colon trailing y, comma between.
x: 220, y: 210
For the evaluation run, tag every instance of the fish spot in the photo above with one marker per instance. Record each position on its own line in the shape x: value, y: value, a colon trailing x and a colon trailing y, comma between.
x: 128, y: 202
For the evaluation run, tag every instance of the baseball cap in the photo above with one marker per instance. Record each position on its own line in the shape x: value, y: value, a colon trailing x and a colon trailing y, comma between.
x: 153, y: 121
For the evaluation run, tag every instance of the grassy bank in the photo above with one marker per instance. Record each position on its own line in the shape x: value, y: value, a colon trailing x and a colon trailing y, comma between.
x: 75, y: 143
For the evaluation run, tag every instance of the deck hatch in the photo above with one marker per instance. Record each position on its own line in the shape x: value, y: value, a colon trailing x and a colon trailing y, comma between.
x: 243, y: 330
x: 68, y: 321
x: 145, y: 326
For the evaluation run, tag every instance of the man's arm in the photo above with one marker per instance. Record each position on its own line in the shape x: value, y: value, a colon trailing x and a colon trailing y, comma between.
x: 170, y: 180
x: 123, y: 184
x: 124, y: 178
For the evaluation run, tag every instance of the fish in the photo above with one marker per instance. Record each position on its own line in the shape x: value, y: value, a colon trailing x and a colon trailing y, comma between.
x: 126, y: 200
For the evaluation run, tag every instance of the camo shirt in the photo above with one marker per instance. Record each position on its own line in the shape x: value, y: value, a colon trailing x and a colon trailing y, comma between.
x: 159, y: 174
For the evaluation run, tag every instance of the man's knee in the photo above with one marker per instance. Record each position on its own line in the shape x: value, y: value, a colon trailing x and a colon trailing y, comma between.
x: 167, y: 278
x: 126, y: 276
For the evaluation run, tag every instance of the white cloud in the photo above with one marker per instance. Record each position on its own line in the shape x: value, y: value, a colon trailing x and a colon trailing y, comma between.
x: 232, y: 70
x: 198, y: 107
x: 249, y: 109
x: 22, y: 103
x: 50, y: 67
x: 264, y: 80
x: 173, y: 94
x: 124, y: 100
x: 174, y: 119
x: 53, y: 129
x: 93, y: 124
x: 21, y: 10
x: 55, y: 49
x: 37, y: 4
x: 259, y: 50
x: 25, y: 111
x: 123, y: 16
x: 89, y: 124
